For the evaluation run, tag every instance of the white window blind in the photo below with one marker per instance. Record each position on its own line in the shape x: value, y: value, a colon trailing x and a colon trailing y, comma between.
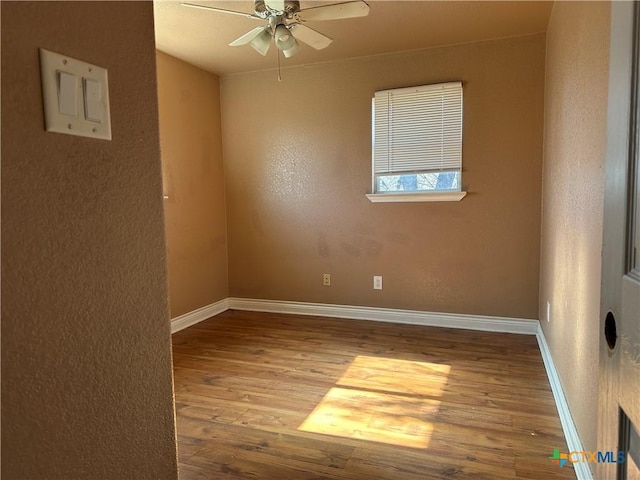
x: 418, y: 130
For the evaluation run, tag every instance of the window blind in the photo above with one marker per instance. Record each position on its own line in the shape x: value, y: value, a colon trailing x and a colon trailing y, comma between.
x: 418, y: 129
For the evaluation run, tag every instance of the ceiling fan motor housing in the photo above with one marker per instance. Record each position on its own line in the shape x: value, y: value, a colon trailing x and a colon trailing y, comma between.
x: 291, y: 7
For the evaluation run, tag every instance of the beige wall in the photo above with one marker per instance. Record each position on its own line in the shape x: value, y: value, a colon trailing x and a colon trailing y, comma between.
x: 297, y: 161
x: 190, y: 139
x: 86, y: 359
x: 574, y: 148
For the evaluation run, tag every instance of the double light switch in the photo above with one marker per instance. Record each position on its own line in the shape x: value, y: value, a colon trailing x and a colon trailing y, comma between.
x: 76, y: 96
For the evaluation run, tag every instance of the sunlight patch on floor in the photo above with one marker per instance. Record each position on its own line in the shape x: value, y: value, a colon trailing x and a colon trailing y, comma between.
x: 382, y: 400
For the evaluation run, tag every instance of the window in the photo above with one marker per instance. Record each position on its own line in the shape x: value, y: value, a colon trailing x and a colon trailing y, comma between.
x: 417, y: 143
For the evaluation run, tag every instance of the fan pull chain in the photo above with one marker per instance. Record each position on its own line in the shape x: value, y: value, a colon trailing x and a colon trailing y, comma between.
x: 279, y: 76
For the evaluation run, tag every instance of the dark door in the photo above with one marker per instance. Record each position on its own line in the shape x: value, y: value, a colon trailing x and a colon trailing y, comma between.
x: 619, y: 410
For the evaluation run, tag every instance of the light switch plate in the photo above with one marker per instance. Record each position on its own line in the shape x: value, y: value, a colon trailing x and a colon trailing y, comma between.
x: 83, y: 123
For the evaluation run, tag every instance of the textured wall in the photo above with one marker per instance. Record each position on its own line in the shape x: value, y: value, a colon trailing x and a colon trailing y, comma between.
x: 86, y: 359
x: 191, y: 144
x: 298, y: 164
x: 574, y: 149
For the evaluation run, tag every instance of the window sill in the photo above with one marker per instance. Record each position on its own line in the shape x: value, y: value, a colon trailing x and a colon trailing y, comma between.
x: 416, y: 197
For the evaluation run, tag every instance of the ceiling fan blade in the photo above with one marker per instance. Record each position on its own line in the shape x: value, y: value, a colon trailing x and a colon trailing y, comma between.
x: 247, y: 37
x: 336, y: 11
x: 310, y: 36
x: 221, y: 10
x: 275, y: 5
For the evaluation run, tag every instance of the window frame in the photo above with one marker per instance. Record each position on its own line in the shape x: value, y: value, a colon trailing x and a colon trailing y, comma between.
x: 415, y: 195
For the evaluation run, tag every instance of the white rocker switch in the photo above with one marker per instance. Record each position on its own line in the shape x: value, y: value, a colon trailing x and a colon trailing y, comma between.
x: 92, y: 100
x: 67, y: 99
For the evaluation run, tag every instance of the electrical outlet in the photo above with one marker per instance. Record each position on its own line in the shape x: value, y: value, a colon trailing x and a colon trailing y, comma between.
x: 548, y: 311
x: 326, y: 279
x: 377, y: 282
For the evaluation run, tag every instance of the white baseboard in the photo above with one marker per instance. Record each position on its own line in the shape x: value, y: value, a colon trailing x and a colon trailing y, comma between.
x: 183, y: 321
x: 582, y: 470
x: 413, y: 317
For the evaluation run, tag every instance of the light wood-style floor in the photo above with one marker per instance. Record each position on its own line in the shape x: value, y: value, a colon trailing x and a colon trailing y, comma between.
x: 284, y: 397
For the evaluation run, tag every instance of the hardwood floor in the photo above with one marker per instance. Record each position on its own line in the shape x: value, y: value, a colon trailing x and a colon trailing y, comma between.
x: 283, y: 397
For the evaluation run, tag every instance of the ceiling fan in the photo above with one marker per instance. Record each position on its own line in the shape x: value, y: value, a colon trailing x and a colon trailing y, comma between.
x: 285, y: 23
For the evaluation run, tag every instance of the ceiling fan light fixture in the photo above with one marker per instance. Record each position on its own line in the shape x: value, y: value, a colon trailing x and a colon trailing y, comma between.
x: 290, y: 52
x: 262, y: 42
x: 284, y: 38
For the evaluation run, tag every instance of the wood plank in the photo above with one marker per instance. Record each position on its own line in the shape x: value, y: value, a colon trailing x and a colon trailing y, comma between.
x: 269, y: 396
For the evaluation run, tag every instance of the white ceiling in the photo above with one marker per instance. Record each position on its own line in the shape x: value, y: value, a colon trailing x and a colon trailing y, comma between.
x: 200, y: 37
